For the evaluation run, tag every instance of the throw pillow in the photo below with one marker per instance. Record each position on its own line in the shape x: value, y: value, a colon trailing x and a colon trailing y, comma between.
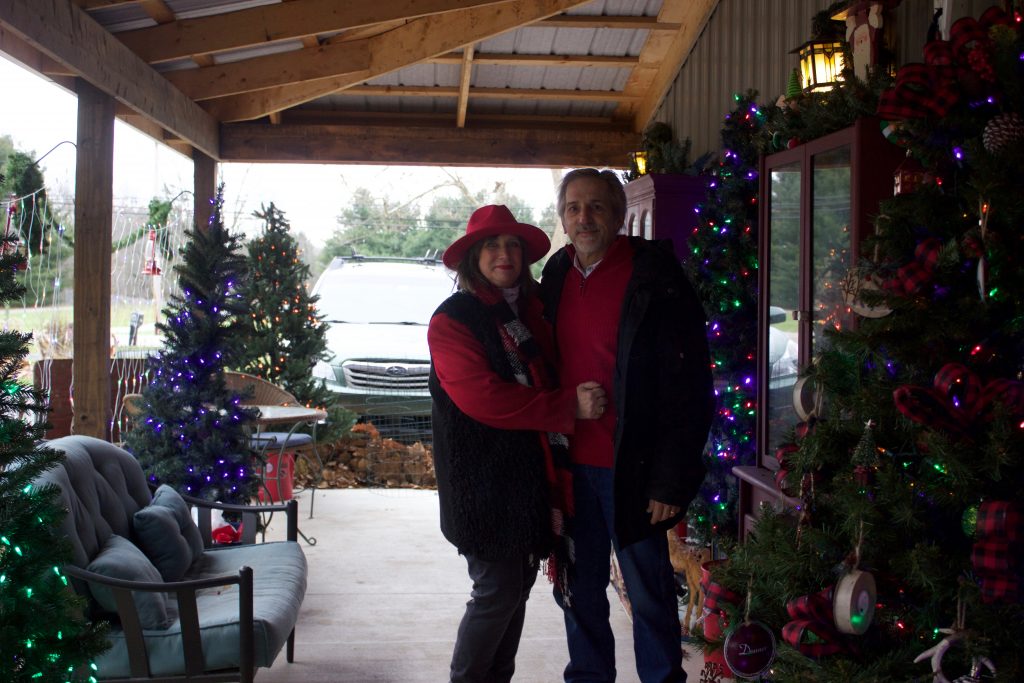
x: 166, y: 533
x: 120, y: 559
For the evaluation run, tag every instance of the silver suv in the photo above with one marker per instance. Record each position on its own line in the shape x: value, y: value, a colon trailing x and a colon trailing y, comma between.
x: 378, y: 310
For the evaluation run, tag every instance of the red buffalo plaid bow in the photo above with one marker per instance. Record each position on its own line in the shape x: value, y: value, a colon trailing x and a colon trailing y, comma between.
x: 715, y: 595
x: 996, y: 555
x: 919, y: 272
x: 812, y: 630
x: 931, y: 88
x: 957, y: 399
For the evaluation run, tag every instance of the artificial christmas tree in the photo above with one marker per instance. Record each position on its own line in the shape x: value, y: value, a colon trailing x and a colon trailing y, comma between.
x: 192, y: 431
x: 723, y: 268
x: 284, y: 336
x: 43, y: 635
x: 903, y: 560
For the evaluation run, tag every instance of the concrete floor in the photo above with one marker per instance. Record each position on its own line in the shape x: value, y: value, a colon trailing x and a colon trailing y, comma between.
x: 386, y: 593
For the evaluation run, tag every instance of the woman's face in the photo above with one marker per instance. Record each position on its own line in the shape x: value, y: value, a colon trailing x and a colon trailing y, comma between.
x: 501, y: 260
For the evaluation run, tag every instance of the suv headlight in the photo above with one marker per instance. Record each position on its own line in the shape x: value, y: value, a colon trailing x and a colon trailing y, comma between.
x: 323, y: 370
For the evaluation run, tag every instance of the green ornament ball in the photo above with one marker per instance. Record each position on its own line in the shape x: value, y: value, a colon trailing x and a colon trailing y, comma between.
x: 969, y: 522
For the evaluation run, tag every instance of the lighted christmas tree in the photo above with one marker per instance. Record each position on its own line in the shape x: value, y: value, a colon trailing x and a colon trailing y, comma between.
x: 284, y: 336
x: 192, y: 432
x: 43, y: 635
x: 904, y: 560
x: 723, y: 267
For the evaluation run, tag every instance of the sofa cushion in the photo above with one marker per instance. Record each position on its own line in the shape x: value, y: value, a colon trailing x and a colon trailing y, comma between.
x: 101, y: 487
x: 279, y: 584
x: 167, y: 535
x: 120, y: 559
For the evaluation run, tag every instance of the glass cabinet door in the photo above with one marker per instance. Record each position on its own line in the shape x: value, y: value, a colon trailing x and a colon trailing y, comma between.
x: 783, y: 338
x: 832, y: 243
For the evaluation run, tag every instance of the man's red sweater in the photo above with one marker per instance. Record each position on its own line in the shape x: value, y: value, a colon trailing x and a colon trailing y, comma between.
x: 587, y: 330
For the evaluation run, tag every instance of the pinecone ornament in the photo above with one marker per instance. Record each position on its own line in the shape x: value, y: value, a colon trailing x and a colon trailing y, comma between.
x: 1002, y: 131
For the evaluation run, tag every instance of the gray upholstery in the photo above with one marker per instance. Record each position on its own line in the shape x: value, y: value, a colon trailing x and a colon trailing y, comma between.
x: 166, y: 533
x: 103, y: 488
x: 121, y: 559
x: 279, y: 585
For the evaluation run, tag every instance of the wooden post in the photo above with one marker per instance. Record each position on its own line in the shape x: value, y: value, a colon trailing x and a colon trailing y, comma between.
x: 204, y: 186
x: 94, y: 179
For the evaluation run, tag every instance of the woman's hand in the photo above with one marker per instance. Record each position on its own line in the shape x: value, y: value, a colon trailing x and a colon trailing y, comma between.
x: 590, y: 401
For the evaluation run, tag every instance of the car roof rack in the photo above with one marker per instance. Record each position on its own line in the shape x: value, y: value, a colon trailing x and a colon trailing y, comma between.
x: 432, y: 257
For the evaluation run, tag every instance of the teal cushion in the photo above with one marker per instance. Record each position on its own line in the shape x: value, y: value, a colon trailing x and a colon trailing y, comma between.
x: 166, y: 533
x: 120, y: 559
x: 279, y: 584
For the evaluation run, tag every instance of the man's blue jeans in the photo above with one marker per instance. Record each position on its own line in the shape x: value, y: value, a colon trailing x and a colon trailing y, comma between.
x: 647, y: 572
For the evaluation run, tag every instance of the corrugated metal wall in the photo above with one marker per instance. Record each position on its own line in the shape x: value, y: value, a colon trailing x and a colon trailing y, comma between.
x: 746, y: 45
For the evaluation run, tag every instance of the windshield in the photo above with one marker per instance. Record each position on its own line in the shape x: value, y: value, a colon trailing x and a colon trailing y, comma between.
x: 383, y: 293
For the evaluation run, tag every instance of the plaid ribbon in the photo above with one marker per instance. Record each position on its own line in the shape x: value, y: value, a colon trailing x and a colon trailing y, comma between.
x: 957, y: 399
x: 996, y: 555
x: 911, y: 277
x: 716, y: 594
x: 1000, y: 519
x: 931, y: 88
x: 812, y: 628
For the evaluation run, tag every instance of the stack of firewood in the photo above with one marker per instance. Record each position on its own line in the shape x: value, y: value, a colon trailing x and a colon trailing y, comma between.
x: 364, y: 458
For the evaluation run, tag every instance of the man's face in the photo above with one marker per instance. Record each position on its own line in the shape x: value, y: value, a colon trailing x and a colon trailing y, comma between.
x: 588, y: 219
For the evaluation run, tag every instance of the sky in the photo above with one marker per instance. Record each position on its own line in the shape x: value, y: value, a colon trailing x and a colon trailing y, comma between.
x: 41, y: 118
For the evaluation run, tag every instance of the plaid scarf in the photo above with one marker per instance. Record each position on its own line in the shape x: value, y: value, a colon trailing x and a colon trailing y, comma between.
x: 531, y: 369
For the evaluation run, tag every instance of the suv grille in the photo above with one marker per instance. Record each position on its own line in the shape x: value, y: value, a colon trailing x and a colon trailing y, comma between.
x: 400, y: 377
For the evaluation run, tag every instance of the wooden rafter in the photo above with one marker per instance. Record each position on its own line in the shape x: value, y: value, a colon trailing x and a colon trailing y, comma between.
x: 464, y: 79
x: 281, y: 22
x: 63, y: 33
x: 442, y: 145
x: 489, y: 93
x: 661, y: 57
x: 411, y: 43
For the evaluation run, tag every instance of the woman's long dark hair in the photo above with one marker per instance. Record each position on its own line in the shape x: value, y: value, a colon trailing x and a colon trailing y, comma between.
x: 469, y: 278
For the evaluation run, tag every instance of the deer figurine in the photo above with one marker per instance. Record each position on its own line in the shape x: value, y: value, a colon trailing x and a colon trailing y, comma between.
x: 687, y: 560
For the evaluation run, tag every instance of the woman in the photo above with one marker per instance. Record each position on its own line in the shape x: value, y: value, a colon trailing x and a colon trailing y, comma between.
x: 499, y: 423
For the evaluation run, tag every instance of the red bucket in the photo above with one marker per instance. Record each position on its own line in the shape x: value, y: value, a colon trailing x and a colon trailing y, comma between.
x: 278, y: 473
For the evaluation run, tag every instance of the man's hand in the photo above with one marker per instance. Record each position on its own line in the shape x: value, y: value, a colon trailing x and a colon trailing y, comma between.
x: 590, y: 401
x: 661, y: 511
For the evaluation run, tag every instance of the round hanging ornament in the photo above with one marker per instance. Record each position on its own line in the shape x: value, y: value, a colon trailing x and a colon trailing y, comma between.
x: 854, y: 604
x: 750, y: 649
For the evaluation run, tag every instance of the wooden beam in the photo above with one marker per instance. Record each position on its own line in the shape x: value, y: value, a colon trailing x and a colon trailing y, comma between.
x: 559, y: 147
x: 66, y: 34
x: 465, y: 76
x: 411, y: 43
x: 94, y: 205
x: 442, y: 120
x: 611, y: 22
x: 487, y: 93
x: 663, y: 56
x: 204, y: 187
x: 297, y: 66
x: 578, y: 61
x: 271, y: 23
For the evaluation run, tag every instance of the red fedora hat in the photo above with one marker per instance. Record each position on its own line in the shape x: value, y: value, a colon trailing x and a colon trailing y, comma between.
x: 496, y: 219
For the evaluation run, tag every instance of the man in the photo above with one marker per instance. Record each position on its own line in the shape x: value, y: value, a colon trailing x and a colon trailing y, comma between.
x: 625, y: 315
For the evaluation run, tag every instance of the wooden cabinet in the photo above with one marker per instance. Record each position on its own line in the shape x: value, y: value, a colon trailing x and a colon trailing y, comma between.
x: 818, y: 201
x: 661, y: 206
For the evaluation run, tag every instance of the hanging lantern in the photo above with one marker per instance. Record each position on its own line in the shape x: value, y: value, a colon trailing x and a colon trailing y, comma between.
x: 151, y: 267
x: 821, y: 64
x: 640, y: 162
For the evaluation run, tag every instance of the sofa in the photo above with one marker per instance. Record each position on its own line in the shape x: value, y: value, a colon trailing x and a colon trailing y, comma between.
x: 180, y: 606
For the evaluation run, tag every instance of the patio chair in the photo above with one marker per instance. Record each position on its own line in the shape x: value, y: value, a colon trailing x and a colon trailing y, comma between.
x: 256, y: 391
